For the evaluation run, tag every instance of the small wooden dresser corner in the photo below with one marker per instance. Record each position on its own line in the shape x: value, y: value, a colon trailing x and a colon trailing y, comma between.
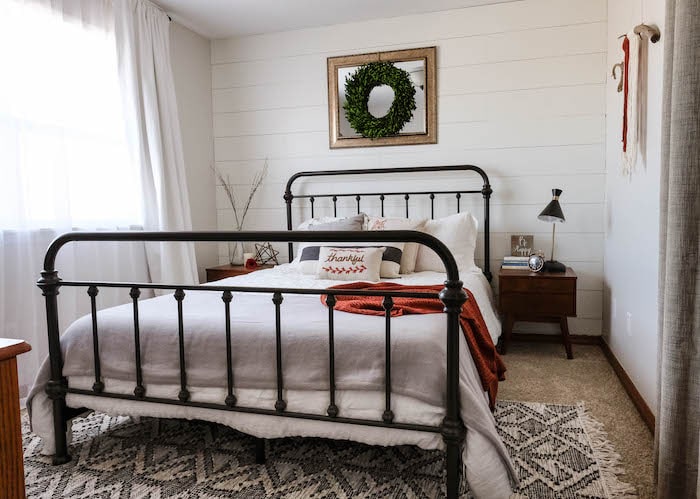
x: 11, y: 455
x: 227, y: 270
x: 536, y: 297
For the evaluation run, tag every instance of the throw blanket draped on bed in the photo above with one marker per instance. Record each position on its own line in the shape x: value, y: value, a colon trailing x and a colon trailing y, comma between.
x: 488, y: 363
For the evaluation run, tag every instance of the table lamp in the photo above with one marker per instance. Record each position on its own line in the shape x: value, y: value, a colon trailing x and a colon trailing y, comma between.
x: 552, y: 213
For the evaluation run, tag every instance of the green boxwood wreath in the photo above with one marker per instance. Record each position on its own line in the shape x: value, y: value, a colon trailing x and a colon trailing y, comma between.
x: 359, y: 84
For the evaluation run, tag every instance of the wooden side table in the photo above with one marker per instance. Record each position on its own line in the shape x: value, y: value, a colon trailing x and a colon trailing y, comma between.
x: 537, y: 297
x: 228, y: 270
x: 11, y: 455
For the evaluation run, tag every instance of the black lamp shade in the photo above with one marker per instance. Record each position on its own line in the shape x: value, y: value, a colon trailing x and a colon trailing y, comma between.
x: 552, y: 212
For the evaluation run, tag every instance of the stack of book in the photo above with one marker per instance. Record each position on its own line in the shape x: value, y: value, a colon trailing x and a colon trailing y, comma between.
x: 515, y: 262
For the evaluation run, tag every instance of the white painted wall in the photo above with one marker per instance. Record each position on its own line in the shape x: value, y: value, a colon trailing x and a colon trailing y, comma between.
x: 632, y: 212
x: 521, y: 93
x: 190, y: 55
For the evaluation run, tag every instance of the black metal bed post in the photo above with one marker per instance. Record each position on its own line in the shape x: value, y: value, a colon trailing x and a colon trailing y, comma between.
x: 452, y: 428
x: 57, y: 385
x: 288, y: 196
x: 98, y: 386
x: 486, y: 192
x: 332, y: 410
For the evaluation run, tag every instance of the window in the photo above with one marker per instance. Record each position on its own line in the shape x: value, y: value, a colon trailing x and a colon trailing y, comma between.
x: 64, y: 157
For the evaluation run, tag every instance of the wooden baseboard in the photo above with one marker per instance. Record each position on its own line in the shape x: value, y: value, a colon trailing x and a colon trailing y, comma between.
x: 577, y: 339
x: 628, y: 385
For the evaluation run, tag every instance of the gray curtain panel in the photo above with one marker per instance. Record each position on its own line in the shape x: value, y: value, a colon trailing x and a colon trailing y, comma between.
x: 678, y: 418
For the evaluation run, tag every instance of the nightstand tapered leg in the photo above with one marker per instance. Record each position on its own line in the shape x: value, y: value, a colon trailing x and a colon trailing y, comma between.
x: 506, y: 334
x: 564, y: 324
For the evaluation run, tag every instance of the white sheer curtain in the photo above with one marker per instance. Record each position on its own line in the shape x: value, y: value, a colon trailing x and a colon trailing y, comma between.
x: 64, y: 162
x: 143, y: 47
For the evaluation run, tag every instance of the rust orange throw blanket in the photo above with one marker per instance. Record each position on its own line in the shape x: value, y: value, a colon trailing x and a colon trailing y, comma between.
x: 488, y: 363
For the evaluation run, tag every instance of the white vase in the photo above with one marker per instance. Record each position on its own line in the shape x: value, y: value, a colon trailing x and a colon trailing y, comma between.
x: 235, y: 253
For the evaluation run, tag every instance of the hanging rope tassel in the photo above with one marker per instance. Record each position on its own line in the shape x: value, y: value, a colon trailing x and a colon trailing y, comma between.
x: 625, y: 76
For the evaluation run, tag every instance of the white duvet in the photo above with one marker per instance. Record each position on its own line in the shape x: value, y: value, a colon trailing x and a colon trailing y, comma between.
x: 418, y: 371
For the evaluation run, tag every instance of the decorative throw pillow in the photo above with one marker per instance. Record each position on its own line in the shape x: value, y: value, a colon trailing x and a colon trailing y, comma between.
x: 458, y: 232
x: 410, y: 250
x: 309, y: 256
x: 349, y: 264
x: 354, y: 223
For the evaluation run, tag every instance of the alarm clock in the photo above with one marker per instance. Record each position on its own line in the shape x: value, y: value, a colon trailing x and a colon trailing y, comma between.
x: 535, y: 262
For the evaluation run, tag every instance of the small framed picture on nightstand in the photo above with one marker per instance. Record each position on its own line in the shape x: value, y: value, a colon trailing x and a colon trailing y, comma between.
x: 521, y: 244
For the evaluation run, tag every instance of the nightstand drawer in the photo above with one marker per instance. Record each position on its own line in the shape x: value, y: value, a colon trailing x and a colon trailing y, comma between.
x: 531, y: 304
x: 538, y: 284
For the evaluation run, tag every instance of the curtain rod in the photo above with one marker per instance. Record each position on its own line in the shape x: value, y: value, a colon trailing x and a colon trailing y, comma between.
x: 652, y: 32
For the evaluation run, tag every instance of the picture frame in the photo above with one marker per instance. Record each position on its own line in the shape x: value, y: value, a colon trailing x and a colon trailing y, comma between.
x: 421, y: 128
x: 522, y: 244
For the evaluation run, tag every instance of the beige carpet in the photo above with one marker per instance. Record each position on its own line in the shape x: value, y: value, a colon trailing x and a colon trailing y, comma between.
x: 540, y: 372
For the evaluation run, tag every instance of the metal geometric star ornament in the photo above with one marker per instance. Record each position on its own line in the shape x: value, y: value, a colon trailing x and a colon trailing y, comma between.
x: 265, y: 253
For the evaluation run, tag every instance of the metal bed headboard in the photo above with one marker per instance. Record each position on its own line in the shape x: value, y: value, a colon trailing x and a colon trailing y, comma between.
x: 485, y: 191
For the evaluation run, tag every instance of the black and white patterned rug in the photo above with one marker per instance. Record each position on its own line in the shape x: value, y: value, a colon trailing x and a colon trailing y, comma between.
x: 558, y: 451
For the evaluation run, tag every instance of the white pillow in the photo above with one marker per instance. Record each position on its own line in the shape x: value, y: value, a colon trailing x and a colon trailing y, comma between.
x: 458, y: 232
x: 309, y: 256
x: 410, y: 250
x: 307, y: 224
x: 349, y: 264
x: 318, y: 220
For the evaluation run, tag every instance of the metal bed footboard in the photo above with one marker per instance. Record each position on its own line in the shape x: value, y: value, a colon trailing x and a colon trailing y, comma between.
x: 452, y: 296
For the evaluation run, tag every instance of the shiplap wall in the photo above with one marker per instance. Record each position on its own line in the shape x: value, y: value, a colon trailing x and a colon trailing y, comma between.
x: 520, y: 93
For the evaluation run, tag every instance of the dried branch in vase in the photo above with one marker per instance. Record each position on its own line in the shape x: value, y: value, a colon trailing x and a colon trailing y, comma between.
x: 235, y: 250
x: 239, y: 215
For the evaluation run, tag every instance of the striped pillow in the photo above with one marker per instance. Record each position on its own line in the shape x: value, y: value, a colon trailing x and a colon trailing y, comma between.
x: 353, y: 224
x: 391, y: 257
x: 410, y: 251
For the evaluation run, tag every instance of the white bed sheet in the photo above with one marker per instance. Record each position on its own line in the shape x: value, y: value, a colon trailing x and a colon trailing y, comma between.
x: 486, y: 461
x: 288, y: 275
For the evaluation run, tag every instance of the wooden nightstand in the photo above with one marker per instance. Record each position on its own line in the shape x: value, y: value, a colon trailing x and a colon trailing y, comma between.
x: 228, y: 270
x: 11, y: 463
x: 537, y: 297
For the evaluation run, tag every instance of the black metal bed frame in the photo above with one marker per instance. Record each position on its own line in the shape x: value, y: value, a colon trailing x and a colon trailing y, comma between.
x: 452, y: 295
x: 485, y: 191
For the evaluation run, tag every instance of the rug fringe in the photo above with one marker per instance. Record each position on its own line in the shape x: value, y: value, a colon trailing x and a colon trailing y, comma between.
x: 606, y: 456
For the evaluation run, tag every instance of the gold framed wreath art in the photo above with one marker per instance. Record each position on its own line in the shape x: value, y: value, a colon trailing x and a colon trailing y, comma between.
x: 384, y: 98
x: 357, y: 91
